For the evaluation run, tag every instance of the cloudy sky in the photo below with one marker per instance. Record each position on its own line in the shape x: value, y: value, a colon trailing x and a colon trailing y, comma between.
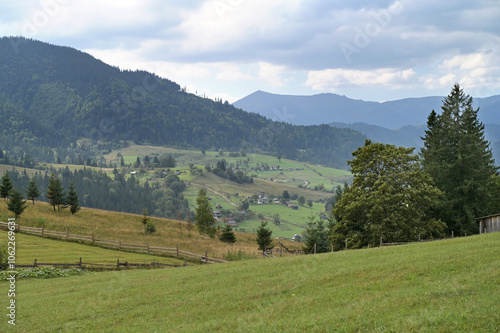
x: 371, y: 50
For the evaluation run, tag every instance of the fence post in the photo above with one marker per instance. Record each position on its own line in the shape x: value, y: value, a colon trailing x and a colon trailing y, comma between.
x: 206, y: 256
x: 42, y: 230
x: 118, y: 263
x: 314, y: 248
x: 35, y: 265
x: 80, y: 262
x: 185, y: 262
x: 148, y: 247
x: 154, y: 262
x: 177, y: 250
x: 346, y: 244
x: 380, y: 241
x: 419, y: 237
x: 67, y: 234
x: 93, y: 239
x: 452, y: 235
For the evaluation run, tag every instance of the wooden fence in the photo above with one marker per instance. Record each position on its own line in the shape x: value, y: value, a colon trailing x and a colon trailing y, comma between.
x: 113, y: 244
x: 119, y: 265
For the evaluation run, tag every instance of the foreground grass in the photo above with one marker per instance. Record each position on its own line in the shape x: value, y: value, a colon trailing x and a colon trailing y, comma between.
x: 46, y: 250
x: 445, y: 286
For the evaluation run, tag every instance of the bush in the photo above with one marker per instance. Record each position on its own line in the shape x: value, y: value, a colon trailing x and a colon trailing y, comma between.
x: 150, y: 227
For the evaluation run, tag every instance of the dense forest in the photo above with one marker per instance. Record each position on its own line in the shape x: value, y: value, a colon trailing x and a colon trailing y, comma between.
x: 51, y: 97
x: 96, y: 189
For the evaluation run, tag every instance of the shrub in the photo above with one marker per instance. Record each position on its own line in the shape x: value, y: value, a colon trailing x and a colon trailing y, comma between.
x: 150, y: 227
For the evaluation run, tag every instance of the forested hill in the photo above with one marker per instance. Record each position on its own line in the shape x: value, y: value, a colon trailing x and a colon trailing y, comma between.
x: 51, y: 96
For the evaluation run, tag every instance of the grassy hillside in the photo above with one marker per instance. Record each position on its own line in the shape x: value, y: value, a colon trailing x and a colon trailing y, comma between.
x: 47, y: 250
x: 230, y: 194
x: 129, y: 228
x: 444, y: 286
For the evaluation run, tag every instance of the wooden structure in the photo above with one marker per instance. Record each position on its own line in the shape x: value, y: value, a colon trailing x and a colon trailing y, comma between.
x: 489, y: 224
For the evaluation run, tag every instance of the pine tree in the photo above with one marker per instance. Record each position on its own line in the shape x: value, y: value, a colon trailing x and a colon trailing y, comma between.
x: 32, y: 191
x: 55, y: 193
x: 205, y: 220
x: 72, y: 200
x: 264, y: 237
x: 16, y: 203
x: 459, y: 159
x: 6, y: 186
x: 228, y: 235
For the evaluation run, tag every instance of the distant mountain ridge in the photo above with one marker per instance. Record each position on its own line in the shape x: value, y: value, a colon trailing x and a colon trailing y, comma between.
x: 330, y: 108
x: 401, y: 122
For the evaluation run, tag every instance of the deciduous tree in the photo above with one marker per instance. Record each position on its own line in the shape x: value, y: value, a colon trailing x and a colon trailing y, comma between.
x: 205, y: 221
x: 391, y: 197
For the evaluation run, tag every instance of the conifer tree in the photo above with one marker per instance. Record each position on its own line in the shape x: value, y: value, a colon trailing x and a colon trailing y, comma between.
x: 32, y: 191
x: 72, y: 200
x: 264, y: 237
x: 228, y: 235
x: 459, y: 159
x: 6, y: 186
x: 16, y: 204
x: 55, y: 193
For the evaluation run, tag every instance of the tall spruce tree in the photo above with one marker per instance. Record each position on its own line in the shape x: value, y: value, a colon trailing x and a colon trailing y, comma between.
x: 72, y: 199
x: 459, y: 159
x: 6, y: 186
x: 264, y: 237
x: 32, y: 191
x: 205, y: 221
x: 16, y: 204
x: 55, y: 193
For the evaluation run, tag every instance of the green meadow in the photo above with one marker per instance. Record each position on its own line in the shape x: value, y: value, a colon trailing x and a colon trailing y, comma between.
x: 443, y: 286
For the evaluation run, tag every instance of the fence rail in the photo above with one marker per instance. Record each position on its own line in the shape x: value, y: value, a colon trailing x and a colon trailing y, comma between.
x: 119, y: 245
x: 118, y: 265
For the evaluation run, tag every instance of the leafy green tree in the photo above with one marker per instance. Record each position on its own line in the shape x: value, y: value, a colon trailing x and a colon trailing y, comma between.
x: 32, y: 191
x: 16, y: 204
x: 310, y: 203
x: 55, y: 193
x: 205, y: 221
x: 72, y: 200
x: 459, y: 159
x: 301, y: 200
x: 285, y: 196
x: 276, y: 219
x: 245, y: 205
x: 6, y: 186
x: 228, y: 235
x: 391, y: 197
x: 264, y: 237
x: 316, y: 234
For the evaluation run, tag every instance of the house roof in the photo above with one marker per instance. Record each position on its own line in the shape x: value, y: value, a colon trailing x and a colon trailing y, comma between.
x: 485, y: 217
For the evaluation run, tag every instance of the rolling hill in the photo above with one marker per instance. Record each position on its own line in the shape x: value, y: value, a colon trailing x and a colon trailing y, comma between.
x: 52, y: 96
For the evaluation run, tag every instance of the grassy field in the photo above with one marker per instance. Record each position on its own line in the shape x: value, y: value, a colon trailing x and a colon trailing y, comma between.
x: 46, y: 250
x: 444, y: 286
x: 129, y: 228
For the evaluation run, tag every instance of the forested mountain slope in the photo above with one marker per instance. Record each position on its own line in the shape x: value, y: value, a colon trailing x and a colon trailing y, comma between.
x: 51, y: 96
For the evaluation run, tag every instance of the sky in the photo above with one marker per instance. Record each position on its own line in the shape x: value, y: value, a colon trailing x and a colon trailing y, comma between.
x: 228, y: 49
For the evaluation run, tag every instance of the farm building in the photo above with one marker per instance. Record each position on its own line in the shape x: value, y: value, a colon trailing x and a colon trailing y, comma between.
x: 489, y: 224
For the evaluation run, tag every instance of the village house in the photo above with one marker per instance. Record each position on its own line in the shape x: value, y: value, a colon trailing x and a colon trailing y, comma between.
x: 489, y: 224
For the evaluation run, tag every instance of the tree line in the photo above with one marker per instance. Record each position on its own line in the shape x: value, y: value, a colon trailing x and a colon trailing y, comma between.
x: 95, y: 189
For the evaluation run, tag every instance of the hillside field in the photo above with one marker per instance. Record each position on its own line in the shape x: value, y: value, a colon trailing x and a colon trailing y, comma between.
x: 443, y: 286
x: 129, y: 228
